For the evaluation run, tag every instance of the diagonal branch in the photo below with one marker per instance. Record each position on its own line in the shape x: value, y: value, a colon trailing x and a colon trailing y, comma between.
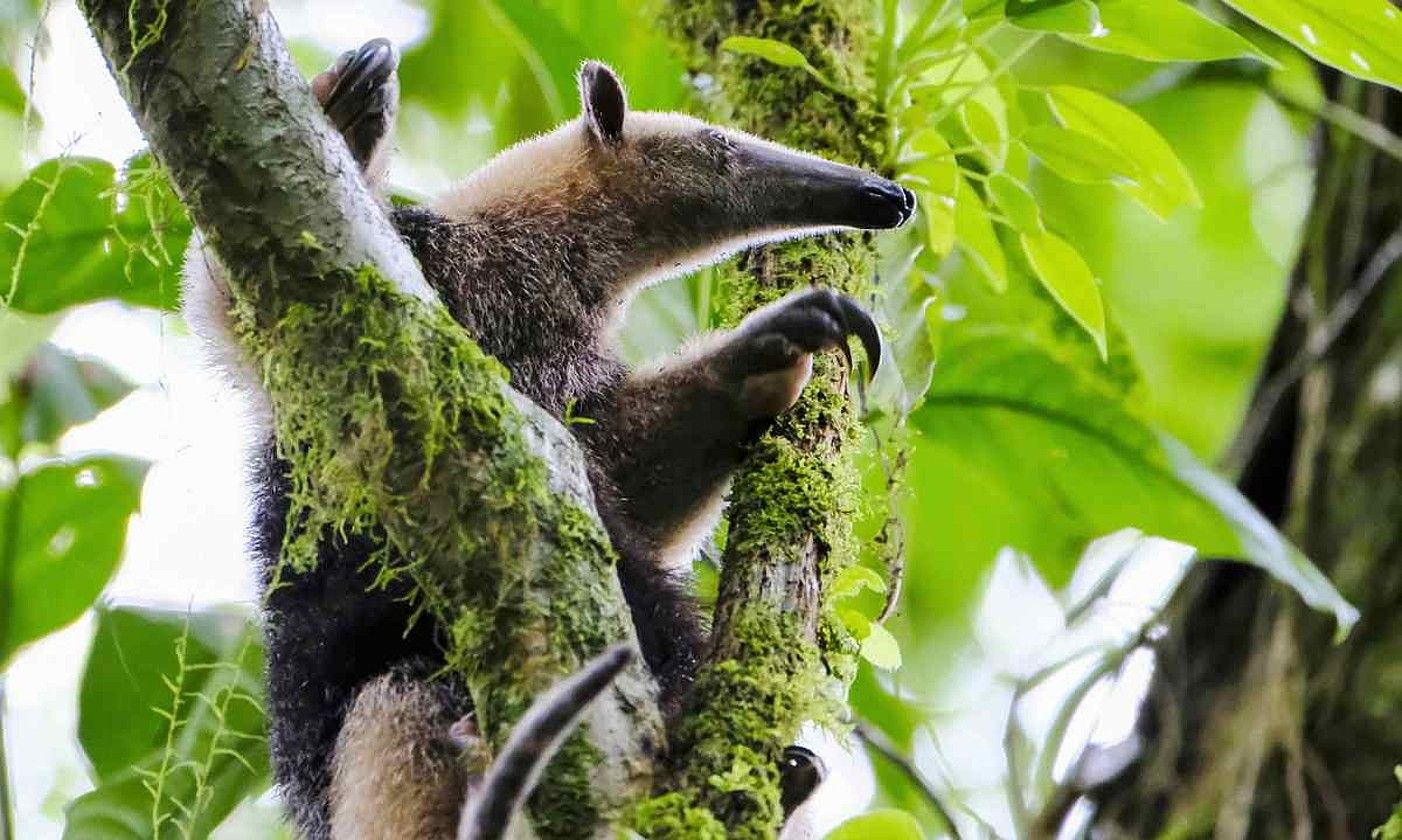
x: 393, y: 421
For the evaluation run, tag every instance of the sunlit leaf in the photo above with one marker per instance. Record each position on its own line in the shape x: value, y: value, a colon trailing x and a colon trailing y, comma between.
x: 976, y: 237
x: 1076, y: 155
x: 1016, y: 202
x: 1160, y: 180
x: 886, y: 823
x: 774, y: 52
x: 1067, y: 17
x: 67, y: 524
x: 1164, y: 30
x: 986, y: 131
x: 1359, y: 37
x: 1065, y: 274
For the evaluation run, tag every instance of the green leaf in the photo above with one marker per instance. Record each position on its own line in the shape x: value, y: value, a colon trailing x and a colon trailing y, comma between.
x: 58, y: 391
x: 12, y: 96
x: 775, y: 52
x: 986, y: 130
x: 880, y: 648
x: 1164, y: 30
x: 1233, y: 254
x: 66, y: 522
x: 1258, y: 540
x: 852, y: 580
x: 71, y: 234
x: 974, y: 230
x: 1076, y: 155
x: 1066, y: 17
x: 1359, y: 37
x: 1065, y: 274
x: 171, y: 705
x: 1016, y: 202
x: 1004, y: 419
x: 1160, y: 180
x: 885, y: 823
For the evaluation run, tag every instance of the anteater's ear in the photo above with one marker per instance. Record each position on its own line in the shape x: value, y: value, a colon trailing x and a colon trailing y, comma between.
x: 604, y: 102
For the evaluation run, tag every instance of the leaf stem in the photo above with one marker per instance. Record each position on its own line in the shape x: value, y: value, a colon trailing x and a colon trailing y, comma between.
x: 877, y: 741
x: 1345, y: 118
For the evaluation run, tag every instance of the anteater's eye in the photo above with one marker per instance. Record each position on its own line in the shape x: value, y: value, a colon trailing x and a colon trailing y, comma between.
x: 720, y: 140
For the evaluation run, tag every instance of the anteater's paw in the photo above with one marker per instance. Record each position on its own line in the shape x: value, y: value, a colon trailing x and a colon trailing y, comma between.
x: 770, y: 356
x: 360, y: 94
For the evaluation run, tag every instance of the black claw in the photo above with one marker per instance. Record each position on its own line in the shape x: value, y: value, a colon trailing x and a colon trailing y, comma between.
x: 857, y: 320
x: 359, y: 73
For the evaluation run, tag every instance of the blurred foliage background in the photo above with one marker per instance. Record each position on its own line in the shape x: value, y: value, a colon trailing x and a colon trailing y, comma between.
x: 1114, y: 196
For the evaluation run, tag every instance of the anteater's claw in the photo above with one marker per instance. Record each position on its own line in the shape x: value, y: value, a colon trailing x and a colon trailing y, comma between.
x: 859, y: 322
x: 358, y: 73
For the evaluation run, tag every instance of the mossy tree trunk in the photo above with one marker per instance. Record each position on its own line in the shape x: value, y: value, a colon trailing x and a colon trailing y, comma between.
x: 392, y: 420
x: 779, y: 657
x: 1259, y: 724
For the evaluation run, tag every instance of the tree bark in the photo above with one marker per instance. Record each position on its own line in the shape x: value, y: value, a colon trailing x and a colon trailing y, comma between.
x: 1260, y: 724
x: 392, y: 419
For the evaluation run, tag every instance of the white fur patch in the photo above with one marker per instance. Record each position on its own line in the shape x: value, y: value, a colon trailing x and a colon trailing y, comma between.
x: 205, y: 304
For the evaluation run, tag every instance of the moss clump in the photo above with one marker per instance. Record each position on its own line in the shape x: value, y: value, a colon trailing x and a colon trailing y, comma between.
x: 670, y: 815
x: 396, y: 424
x: 745, y: 709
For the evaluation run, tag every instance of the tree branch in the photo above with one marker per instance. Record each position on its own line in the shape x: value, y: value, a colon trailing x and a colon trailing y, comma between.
x: 392, y: 420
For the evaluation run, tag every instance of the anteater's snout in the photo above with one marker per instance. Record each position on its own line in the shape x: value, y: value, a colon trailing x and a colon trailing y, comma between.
x: 885, y: 204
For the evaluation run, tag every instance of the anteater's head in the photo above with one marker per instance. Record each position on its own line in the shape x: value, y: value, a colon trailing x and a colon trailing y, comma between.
x: 672, y: 191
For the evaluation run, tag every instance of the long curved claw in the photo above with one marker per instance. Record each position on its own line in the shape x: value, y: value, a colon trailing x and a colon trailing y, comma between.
x: 859, y: 322
x: 364, y: 69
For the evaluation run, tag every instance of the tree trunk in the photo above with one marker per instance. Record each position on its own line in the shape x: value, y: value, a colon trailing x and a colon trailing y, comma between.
x: 391, y: 418
x: 778, y: 657
x: 1260, y: 724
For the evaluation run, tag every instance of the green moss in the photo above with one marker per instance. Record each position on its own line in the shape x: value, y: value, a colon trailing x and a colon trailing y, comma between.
x: 670, y: 815
x: 395, y: 424
x: 745, y: 709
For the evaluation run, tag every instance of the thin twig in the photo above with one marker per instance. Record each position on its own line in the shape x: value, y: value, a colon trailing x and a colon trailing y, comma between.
x: 874, y: 739
x: 1373, y: 133
x: 1320, y: 342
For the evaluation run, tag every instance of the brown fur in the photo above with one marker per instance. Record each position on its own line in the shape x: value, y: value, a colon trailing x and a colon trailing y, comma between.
x: 397, y: 771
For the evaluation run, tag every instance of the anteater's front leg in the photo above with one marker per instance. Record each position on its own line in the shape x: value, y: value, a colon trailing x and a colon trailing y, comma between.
x: 671, y: 437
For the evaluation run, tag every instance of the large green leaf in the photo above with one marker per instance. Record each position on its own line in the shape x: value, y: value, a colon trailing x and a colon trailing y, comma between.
x: 171, y: 718
x: 64, y: 526
x: 72, y: 234
x: 1077, y: 155
x: 55, y: 392
x: 1360, y: 37
x: 1159, y: 180
x: 1071, y: 17
x: 1163, y: 30
x: 1059, y: 449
